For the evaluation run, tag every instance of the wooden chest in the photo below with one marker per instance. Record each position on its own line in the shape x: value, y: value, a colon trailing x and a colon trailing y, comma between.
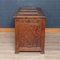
x: 29, y: 30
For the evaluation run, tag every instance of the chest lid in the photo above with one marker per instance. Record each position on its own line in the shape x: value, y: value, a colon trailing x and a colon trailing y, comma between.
x: 29, y: 12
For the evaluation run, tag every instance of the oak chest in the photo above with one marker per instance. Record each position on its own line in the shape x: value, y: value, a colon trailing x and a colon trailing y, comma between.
x: 29, y: 30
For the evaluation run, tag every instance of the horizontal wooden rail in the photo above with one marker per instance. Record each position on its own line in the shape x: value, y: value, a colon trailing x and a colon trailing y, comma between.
x: 46, y: 29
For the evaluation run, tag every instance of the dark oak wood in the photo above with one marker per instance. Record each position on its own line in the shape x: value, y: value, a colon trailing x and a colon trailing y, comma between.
x: 29, y: 30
